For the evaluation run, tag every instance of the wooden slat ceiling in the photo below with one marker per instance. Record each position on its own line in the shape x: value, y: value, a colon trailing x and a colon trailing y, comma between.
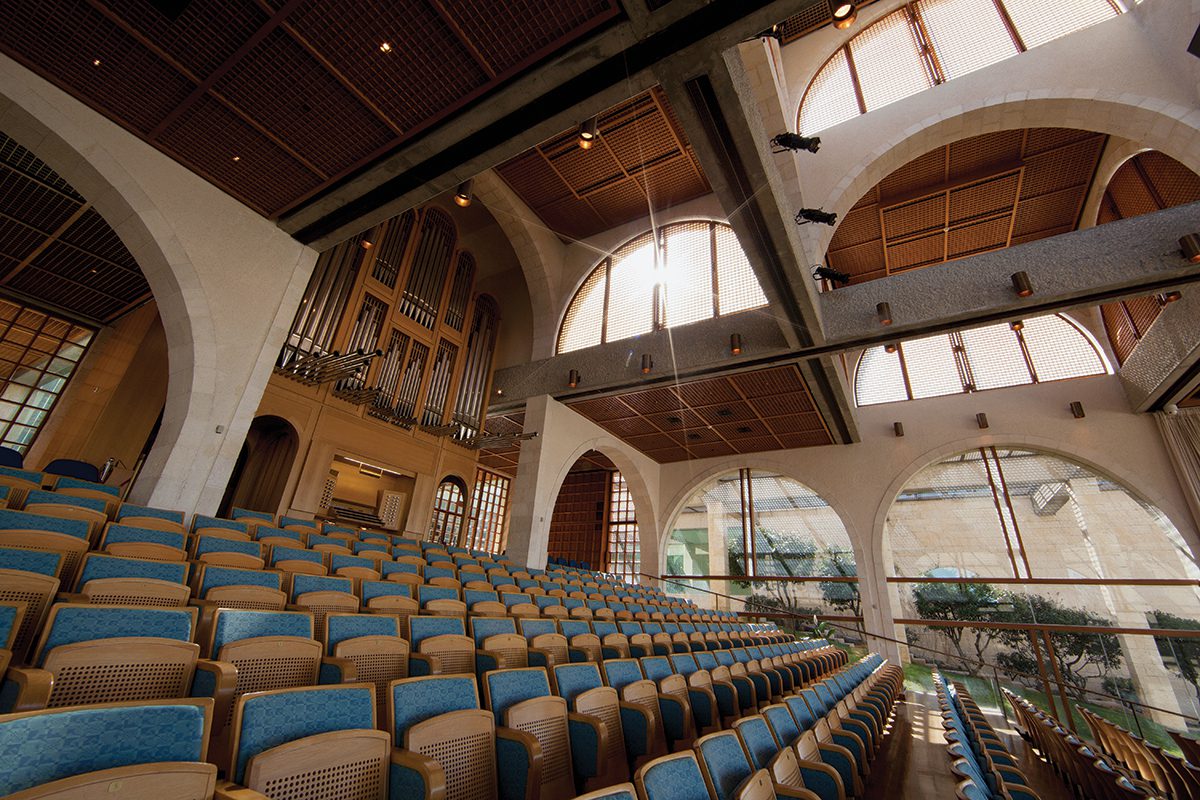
x: 983, y: 193
x: 750, y: 412
x: 56, y: 248
x: 504, y: 460
x: 641, y: 161
x: 300, y: 92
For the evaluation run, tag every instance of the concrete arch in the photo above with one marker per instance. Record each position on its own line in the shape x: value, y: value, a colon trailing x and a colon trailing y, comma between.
x: 1112, y: 159
x: 1150, y: 122
x: 1096, y: 459
x: 79, y: 155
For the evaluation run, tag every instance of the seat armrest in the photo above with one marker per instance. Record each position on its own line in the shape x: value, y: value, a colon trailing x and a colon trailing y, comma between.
x: 844, y: 762
x: 817, y: 774
x: 485, y: 661
x: 589, y: 744
x: 539, y: 657
x: 412, y: 775
x: 231, y: 791
x: 637, y: 726
x: 28, y: 687
x: 421, y: 664
x: 794, y: 794
x: 337, y: 670
x: 218, y: 680
x: 518, y: 764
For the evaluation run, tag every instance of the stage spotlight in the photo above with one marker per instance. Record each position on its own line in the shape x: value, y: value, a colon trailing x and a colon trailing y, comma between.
x: 818, y: 215
x: 573, y: 378
x: 463, y: 195
x: 844, y: 13
x: 794, y: 141
x: 831, y: 275
x: 588, y: 133
x: 1021, y: 284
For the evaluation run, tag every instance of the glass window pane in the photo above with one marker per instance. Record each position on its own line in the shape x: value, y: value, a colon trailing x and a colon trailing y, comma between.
x: 16, y: 393
x: 8, y: 411
x: 736, y: 282
x: 52, y: 384
x: 1059, y: 350
x: 1039, y: 22
x: 888, y: 61
x: 61, y: 366
x: 966, y: 35
x: 932, y: 371
x: 830, y: 98
x: 995, y: 357
x: 687, y: 278
x: 31, y: 416
x: 880, y: 378
x: 40, y: 399
x: 72, y: 351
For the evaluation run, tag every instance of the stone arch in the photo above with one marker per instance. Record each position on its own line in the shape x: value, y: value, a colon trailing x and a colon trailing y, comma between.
x: 79, y: 155
x: 1147, y: 121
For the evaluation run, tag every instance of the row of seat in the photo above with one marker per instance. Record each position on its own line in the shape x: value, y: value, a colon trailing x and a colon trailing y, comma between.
x: 987, y: 769
x: 1086, y: 770
x: 534, y: 735
x: 1168, y: 773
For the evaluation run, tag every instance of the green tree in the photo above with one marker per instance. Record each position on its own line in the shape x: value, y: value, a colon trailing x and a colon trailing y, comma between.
x: 840, y: 595
x: 1082, y: 655
x: 962, y: 602
x: 1186, y: 652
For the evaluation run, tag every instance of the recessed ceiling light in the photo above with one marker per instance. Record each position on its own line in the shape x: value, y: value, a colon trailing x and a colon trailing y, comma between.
x: 695, y: 437
x: 745, y: 429
x: 96, y: 63
x: 237, y: 158
x: 724, y: 412
x: 385, y: 47
x: 674, y: 420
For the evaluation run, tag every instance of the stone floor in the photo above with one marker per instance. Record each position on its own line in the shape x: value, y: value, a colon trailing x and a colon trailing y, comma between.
x: 913, y: 764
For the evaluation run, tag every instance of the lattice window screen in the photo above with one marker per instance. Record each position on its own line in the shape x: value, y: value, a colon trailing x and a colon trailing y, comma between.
x: 687, y: 269
x: 489, y: 505
x: 624, y: 547
x: 832, y: 95
x: 966, y: 34
x: 1039, y: 22
x: 995, y: 356
x: 888, y: 59
x: 631, y: 279
x: 439, y: 383
x: 449, y: 510
x: 737, y: 286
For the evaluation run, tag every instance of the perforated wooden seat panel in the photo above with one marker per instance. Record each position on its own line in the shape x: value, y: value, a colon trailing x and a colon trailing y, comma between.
x: 115, y: 670
x: 603, y: 704
x: 379, y: 662
x: 341, y: 765
x: 249, y: 597
x: 510, y: 648
x: 135, y: 592
x: 545, y: 718
x: 272, y: 662
x: 645, y: 694
x: 463, y: 744
x: 35, y: 592
x: 174, y: 779
x: 456, y: 654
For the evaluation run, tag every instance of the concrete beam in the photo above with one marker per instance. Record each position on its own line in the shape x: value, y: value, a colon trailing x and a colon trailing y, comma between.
x: 1126, y: 258
x: 606, y: 68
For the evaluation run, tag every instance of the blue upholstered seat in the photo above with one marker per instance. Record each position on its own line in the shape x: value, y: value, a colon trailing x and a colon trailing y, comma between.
x: 200, y: 522
x: 71, y: 623
x: 41, y: 562
x: 296, y: 522
x: 97, y: 566
x: 372, y: 589
x: 422, y: 628
x: 215, y: 577
x: 673, y: 777
x: 245, y: 513
x: 80, y: 470
x: 233, y: 625
x: 104, y: 737
x: 724, y: 761
x: 128, y: 511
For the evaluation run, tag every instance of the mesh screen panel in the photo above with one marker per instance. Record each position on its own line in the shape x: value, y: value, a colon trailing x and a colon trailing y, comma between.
x: 449, y: 508
x: 886, y: 56
x: 966, y: 34
x: 489, y: 507
x: 688, y: 266
x: 831, y: 97
x: 932, y: 370
x: 583, y: 324
x: 1058, y: 350
x: 737, y: 285
x: 994, y: 354
x: 624, y: 547
x: 1038, y: 22
x: 632, y: 277
x: 880, y: 378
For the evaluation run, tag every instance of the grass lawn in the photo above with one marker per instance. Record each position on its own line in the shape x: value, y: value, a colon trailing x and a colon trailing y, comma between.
x: 920, y: 678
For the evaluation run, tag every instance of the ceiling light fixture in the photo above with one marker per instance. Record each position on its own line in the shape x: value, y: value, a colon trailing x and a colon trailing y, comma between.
x: 831, y: 275
x: 96, y: 63
x: 1169, y: 297
x: 844, y: 13
x: 898, y: 428
x: 237, y: 158
x: 794, y: 141
x: 884, y: 310
x: 735, y: 344
x: 891, y: 347
x: 647, y: 363
x: 573, y: 378
x: 385, y: 47
x: 1190, y: 245
x: 1017, y: 324
x: 588, y: 133
x: 366, y: 244
x: 1077, y: 410
x: 463, y: 195
x: 1021, y: 284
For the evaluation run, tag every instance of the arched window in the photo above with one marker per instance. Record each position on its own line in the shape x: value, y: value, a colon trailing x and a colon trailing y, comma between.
x: 449, y: 508
x: 928, y: 42
x: 762, y: 538
x: 1040, y: 349
x: 683, y: 272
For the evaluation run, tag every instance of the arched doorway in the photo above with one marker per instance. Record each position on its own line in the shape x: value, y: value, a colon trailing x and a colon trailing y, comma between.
x: 449, y: 512
x: 263, y: 466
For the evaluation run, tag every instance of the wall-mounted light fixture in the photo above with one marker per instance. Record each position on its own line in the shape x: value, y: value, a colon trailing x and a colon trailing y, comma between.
x: 891, y: 347
x: 735, y: 344
x: 366, y: 244
x: 588, y: 133
x: 647, y: 363
x: 1169, y: 297
x: 1021, y: 284
x: 1017, y: 324
x: 1077, y: 410
x: 844, y: 13
x: 463, y: 195
x: 573, y: 378
x: 898, y: 428
x: 1190, y: 246
x: 884, y: 310
x: 981, y: 419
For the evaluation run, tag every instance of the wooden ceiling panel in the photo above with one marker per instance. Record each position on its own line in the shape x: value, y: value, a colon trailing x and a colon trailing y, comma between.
x: 603, y: 409
x: 699, y: 431
x: 330, y: 85
x: 641, y: 162
x: 974, y: 195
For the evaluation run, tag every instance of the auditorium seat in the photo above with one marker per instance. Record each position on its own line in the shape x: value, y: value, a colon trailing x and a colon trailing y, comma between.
x: 29, y: 577
x: 19, y: 482
x: 148, y: 517
x: 571, y: 743
x: 315, y: 742
x: 226, y: 552
x: 630, y: 727
x: 68, y: 538
x: 215, y: 526
x: 446, y: 745
x: 374, y: 644
x: 440, y: 645
x: 93, y: 510
x: 152, y: 749
x: 131, y: 541
x: 114, y: 580
x: 11, y: 614
x: 296, y: 560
